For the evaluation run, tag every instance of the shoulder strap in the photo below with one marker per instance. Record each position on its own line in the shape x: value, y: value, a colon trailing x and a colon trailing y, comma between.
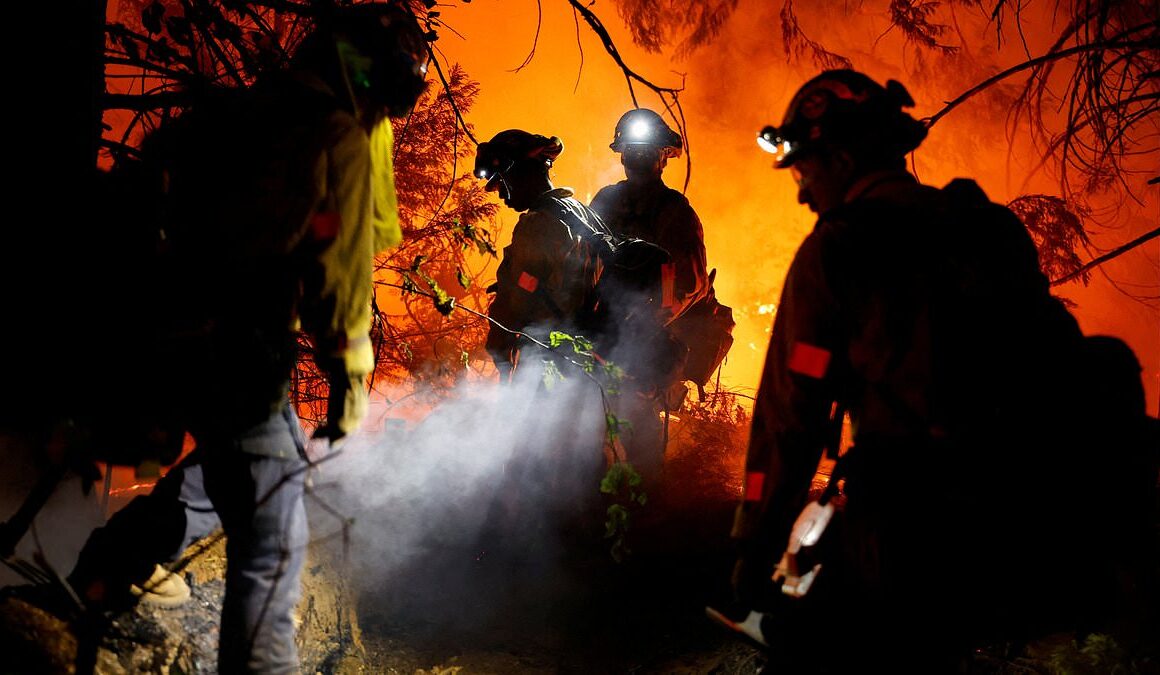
x: 581, y: 221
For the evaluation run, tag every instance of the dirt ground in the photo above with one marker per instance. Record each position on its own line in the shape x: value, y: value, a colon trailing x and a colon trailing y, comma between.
x: 513, y: 605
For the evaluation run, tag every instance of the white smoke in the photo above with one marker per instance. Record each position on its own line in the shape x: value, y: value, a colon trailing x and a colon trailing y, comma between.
x: 421, y: 497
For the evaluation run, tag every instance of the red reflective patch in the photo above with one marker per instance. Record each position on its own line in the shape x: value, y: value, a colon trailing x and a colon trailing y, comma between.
x: 668, y: 281
x: 528, y: 282
x: 324, y: 225
x: 754, y: 482
x: 809, y: 360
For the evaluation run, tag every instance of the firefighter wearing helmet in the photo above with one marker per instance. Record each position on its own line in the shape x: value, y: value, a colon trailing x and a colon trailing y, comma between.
x: 547, y: 273
x: 922, y: 314
x: 278, y: 197
x: 545, y: 282
x: 642, y: 206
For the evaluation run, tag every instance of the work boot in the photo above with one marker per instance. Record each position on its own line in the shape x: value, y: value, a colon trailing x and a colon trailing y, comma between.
x: 162, y: 589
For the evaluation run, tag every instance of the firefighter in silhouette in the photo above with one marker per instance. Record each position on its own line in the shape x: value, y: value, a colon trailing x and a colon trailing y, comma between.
x: 546, y: 281
x: 922, y: 314
x: 642, y: 206
x: 547, y: 274
x: 278, y: 196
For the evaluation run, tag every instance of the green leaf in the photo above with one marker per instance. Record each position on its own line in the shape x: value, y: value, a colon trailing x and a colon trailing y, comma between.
x: 551, y: 375
x: 612, y: 425
x: 409, y: 285
x: 557, y: 338
x: 616, y: 521
x: 485, y: 247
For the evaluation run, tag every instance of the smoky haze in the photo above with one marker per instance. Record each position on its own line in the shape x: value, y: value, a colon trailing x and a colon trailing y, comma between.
x: 484, y: 484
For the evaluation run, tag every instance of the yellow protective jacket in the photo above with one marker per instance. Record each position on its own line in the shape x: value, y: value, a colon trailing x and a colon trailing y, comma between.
x: 279, y: 201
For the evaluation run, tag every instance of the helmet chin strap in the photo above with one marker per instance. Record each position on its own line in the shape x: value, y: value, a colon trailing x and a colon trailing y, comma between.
x: 505, y: 190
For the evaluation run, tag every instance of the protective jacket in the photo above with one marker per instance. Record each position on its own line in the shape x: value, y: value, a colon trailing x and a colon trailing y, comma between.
x: 545, y: 279
x: 275, y: 210
x: 661, y: 215
x: 924, y: 315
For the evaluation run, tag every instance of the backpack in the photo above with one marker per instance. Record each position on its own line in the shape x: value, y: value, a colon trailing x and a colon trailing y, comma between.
x: 621, y: 308
x: 630, y: 282
x: 180, y: 356
x: 706, y: 329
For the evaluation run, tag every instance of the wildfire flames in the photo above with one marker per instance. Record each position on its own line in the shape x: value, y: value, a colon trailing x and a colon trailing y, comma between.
x: 539, y: 68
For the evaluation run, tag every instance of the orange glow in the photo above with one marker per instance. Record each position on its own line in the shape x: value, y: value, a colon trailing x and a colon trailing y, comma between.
x: 742, y: 82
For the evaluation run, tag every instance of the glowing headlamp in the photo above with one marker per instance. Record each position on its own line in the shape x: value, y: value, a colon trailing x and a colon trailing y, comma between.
x: 640, y: 129
x: 492, y: 166
x: 771, y: 141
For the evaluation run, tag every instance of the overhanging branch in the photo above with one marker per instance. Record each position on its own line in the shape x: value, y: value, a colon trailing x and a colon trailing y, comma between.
x: 1096, y: 262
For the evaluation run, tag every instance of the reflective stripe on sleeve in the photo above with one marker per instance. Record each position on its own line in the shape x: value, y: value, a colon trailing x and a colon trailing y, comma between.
x: 754, y: 482
x: 809, y: 360
x: 668, y: 283
x: 528, y: 282
x: 324, y: 225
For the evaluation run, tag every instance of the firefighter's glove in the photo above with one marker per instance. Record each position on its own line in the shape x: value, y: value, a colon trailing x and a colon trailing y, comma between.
x: 346, y: 405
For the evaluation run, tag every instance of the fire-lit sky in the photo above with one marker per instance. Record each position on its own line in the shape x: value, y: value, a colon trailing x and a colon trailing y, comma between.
x: 571, y: 88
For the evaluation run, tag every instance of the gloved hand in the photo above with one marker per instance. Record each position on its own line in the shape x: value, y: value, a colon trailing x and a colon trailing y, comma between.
x: 346, y: 406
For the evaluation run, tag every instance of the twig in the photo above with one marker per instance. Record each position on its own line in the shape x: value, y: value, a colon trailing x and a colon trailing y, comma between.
x: 1096, y: 262
x: 1032, y: 63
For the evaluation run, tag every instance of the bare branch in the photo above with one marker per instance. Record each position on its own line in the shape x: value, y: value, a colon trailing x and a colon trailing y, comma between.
x: 1032, y: 63
x: 535, y: 39
x: 1118, y: 251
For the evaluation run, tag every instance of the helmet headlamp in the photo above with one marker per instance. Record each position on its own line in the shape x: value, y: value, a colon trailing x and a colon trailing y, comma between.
x: 774, y: 142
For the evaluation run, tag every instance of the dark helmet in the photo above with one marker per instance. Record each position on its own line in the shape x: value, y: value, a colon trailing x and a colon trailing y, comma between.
x: 384, y: 52
x: 644, y: 127
x: 845, y: 109
x: 508, y: 148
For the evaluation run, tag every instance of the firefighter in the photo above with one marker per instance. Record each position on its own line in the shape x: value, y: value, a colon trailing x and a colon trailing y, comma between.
x: 545, y: 282
x: 923, y: 314
x: 642, y: 206
x: 547, y: 275
x: 276, y: 206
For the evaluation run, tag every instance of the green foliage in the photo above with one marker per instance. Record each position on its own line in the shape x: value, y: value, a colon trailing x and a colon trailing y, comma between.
x: 615, y: 427
x: 448, y: 223
x: 463, y: 280
x: 622, y: 483
x: 613, y: 377
x: 551, y: 375
x: 580, y: 345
